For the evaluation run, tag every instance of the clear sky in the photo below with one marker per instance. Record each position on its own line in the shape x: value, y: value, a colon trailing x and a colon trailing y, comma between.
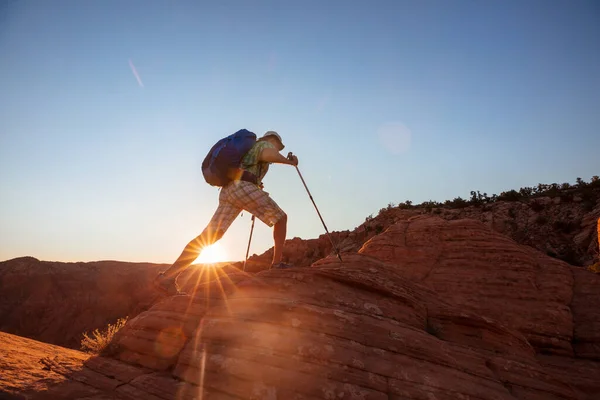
x: 107, y: 108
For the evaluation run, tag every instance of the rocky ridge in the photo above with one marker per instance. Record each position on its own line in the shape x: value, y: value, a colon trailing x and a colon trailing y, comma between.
x: 563, y: 227
x: 429, y: 308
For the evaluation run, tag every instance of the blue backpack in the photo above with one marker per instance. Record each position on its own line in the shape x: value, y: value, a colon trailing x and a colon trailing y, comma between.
x: 222, y: 163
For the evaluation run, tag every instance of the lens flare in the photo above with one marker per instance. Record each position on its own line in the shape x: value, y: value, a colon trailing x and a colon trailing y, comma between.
x: 212, y: 254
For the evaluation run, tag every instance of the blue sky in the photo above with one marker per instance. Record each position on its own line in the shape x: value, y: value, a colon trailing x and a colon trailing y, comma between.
x: 382, y: 101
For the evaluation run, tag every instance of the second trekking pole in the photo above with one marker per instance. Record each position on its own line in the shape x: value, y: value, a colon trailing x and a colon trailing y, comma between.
x: 249, y: 240
x: 337, y: 252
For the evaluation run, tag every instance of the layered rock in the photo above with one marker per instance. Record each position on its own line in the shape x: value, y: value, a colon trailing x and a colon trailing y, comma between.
x: 429, y: 308
x: 564, y: 228
x: 586, y: 314
x: 57, y: 302
x: 486, y: 273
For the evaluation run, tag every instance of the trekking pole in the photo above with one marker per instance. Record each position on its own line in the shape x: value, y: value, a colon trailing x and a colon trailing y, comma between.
x: 249, y: 240
x: 337, y: 252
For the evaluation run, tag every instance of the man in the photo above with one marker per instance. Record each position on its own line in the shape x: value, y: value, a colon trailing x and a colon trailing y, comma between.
x: 234, y: 197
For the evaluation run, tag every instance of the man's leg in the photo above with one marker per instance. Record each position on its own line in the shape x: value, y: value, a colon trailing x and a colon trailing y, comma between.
x: 262, y: 206
x: 192, y: 250
x: 216, y: 228
x: 279, y: 233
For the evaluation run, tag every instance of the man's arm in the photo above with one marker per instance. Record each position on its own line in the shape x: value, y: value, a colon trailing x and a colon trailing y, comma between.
x: 273, y: 156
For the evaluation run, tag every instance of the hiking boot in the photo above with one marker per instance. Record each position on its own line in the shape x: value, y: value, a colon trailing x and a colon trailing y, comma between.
x: 282, y: 265
x: 166, y: 285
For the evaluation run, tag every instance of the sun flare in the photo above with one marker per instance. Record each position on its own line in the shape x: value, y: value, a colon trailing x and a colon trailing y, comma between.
x: 212, y: 254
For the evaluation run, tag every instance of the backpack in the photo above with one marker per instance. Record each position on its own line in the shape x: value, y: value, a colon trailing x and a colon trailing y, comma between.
x: 224, y: 158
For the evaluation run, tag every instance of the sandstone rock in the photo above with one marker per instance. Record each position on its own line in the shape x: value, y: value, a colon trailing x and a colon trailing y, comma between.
x: 56, y: 302
x: 429, y: 308
x: 580, y: 374
x: 485, y: 273
x: 521, y: 221
x: 587, y: 238
x: 585, y: 307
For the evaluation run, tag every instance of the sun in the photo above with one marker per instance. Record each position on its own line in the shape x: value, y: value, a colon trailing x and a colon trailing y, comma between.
x: 212, y: 254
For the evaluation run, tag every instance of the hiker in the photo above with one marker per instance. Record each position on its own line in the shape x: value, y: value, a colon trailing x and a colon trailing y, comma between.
x: 243, y: 193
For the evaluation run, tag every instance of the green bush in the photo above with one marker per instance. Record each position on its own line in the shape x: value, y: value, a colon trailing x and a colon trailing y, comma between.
x: 458, y: 202
x: 511, y: 195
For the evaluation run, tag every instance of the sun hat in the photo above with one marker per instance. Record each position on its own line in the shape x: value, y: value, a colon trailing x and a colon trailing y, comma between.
x: 275, y: 134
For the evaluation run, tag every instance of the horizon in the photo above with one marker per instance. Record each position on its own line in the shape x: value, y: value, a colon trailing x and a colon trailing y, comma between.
x: 108, y: 109
x: 213, y: 257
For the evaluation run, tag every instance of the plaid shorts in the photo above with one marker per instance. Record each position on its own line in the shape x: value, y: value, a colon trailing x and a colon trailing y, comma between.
x: 242, y: 195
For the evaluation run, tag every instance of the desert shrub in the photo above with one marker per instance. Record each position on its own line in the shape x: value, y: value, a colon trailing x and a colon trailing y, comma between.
x: 526, y: 191
x: 378, y: 229
x: 369, y: 218
x: 406, y: 205
x: 553, y: 190
x: 477, y: 198
x: 511, y: 195
x: 458, y: 202
x: 429, y: 205
x: 536, y: 206
x: 98, y: 340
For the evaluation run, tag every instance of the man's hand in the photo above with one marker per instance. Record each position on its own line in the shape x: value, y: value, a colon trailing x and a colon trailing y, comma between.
x: 273, y: 156
x: 293, y: 159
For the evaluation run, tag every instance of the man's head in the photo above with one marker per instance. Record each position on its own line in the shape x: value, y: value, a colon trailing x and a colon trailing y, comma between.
x: 274, y: 138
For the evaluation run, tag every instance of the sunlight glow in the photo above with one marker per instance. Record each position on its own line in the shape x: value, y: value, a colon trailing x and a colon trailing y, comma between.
x: 212, y: 254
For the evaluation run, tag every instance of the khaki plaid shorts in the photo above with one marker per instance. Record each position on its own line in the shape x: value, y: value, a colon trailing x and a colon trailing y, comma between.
x: 242, y: 195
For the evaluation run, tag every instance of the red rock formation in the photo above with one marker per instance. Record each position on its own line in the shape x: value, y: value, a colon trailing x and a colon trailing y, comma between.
x: 486, y: 273
x: 562, y: 229
x: 56, y: 302
x: 429, y: 308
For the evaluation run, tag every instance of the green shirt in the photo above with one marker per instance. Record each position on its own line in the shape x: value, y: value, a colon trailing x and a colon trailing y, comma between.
x: 250, y: 160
